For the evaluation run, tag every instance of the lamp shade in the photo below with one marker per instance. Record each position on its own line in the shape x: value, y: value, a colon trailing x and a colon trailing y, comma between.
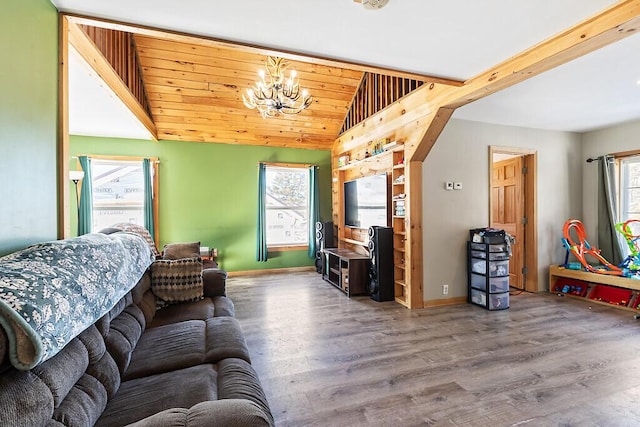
x: 76, y: 175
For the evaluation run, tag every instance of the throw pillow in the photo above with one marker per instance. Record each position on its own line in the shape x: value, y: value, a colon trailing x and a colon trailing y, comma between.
x: 181, y: 250
x: 175, y: 281
x: 139, y: 230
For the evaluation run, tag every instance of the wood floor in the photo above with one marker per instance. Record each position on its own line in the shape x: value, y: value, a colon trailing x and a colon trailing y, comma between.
x: 326, y: 360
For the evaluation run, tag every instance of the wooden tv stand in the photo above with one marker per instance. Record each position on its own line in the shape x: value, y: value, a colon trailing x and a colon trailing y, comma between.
x: 346, y: 270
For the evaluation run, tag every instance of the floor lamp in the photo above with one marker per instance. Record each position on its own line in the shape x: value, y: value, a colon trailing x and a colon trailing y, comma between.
x: 76, y: 176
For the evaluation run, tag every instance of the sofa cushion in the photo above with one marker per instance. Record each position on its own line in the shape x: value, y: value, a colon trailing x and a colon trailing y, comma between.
x: 238, y: 380
x: 143, y: 397
x: 140, y: 231
x: 124, y: 333
x: 197, y: 310
x: 214, y: 281
x: 224, y: 340
x: 174, y: 281
x: 179, y: 345
x: 83, y: 405
x: 25, y: 400
x: 181, y: 250
x: 168, y: 348
x: 219, y: 413
x: 224, y: 307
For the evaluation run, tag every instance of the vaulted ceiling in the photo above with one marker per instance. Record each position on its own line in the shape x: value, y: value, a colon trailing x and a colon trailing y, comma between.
x: 195, y: 94
x: 195, y: 87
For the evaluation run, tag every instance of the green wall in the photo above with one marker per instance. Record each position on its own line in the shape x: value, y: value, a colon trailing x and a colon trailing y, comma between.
x: 208, y: 192
x: 28, y: 123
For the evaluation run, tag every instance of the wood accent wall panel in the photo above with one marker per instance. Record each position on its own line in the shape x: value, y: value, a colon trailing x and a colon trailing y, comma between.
x: 119, y: 50
x: 195, y: 92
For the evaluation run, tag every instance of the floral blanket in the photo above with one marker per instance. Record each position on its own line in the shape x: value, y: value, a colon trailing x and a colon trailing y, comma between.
x: 50, y: 292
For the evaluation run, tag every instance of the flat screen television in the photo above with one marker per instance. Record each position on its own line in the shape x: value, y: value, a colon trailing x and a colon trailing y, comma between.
x: 366, y: 202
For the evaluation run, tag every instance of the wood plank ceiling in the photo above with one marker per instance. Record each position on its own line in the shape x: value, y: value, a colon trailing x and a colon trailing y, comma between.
x: 195, y: 94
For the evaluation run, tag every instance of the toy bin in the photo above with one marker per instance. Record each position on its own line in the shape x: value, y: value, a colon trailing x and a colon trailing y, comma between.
x: 611, y: 295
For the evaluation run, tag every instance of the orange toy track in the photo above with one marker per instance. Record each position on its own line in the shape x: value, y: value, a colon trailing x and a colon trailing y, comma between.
x: 583, y: 249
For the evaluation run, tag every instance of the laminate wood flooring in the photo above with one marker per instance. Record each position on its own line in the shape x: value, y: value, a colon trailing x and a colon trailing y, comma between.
x: 326, y: 360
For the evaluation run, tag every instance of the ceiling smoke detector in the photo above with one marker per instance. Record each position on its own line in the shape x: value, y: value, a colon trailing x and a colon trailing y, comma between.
x: 373, y: 4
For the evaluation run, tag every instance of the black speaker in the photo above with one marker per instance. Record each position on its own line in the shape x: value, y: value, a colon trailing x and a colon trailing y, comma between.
x: 324, y: 239
x: 381, y: 263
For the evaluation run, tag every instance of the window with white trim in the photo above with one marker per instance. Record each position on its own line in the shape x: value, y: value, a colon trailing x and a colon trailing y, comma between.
x: 287, y: 206
x: 118, y: 192
x: 629, y: 188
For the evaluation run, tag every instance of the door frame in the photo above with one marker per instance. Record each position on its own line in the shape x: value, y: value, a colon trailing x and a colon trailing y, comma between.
x: 530, y: 161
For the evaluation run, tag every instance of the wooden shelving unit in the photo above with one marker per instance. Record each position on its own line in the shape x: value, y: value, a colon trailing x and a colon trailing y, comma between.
x: 613, y: 291
x: 399, y: 205
x: 392, y: 163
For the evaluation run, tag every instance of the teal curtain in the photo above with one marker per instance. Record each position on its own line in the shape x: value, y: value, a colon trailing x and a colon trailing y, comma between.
x: 148, y: 197
x: 608, y: 238
x: 86, y: 198
x: 261, y: 247
x: 314, y: 209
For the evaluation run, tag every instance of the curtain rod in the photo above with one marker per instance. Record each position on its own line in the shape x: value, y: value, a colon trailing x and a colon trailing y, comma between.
x: 120, y: 158
x: 617, y: 155
x: 288, y: 165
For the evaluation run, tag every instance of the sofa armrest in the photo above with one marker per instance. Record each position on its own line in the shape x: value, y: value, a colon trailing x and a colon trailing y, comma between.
x: 214, y: 281
x: 223, y: 413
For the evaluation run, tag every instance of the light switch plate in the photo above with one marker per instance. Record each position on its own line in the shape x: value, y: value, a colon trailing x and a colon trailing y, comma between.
x: 448, y: 185
x: 457, y: 186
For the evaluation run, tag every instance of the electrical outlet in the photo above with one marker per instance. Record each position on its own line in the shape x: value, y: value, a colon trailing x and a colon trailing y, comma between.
x: 445, y: 289
x: 448, y: 185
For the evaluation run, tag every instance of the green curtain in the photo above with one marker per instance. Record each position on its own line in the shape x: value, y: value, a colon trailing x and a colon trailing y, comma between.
x: 86, y: 198
x: 314, y: 209
x: 148, y: 197
x: 608, y: 238
x: 261, y: 247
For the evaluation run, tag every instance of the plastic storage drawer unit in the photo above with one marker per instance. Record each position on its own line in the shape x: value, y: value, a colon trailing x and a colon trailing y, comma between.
x: 488, y: 269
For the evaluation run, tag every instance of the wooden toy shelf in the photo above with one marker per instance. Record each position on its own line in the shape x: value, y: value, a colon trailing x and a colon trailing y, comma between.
x: 613, y: 291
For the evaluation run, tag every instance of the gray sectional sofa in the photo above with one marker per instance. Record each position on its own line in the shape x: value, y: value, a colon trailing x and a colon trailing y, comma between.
x: 182, y: 365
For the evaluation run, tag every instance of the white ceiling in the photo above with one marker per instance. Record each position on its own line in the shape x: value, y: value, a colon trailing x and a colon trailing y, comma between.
x: 447, y: 38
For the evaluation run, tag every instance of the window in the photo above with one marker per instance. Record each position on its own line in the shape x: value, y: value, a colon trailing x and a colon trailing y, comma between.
x: 629, y: 188
x: 118, y: 192
x: 287, y: 206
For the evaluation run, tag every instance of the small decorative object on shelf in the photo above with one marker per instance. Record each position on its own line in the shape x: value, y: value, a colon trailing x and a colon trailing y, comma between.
x: 343, y: 161
x: 399, y: 180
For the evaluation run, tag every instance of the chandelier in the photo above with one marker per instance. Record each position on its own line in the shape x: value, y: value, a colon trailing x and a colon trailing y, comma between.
x: 280, y: 95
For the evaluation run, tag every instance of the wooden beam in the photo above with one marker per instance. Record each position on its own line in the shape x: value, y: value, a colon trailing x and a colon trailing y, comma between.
x: 87, y: 49
x: 611, y: 25
x: 437, y: 123
x: 246, y: 47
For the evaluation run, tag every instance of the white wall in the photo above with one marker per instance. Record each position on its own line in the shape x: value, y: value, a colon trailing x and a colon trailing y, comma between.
x: 625, y: 137
x: 461, y: 154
